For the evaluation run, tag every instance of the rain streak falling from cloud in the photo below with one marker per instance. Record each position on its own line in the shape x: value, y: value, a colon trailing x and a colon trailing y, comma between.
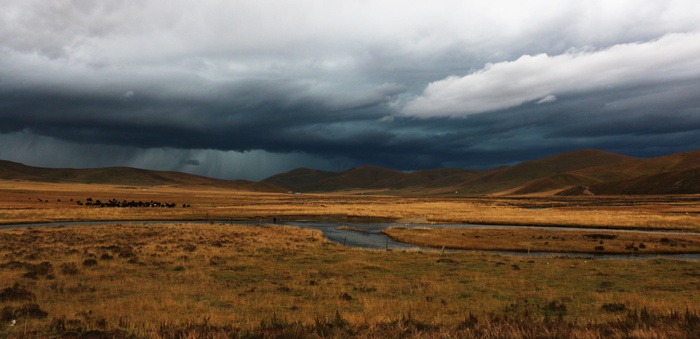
x: 247, y: 89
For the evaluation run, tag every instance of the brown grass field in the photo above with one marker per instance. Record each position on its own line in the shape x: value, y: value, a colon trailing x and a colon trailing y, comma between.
x: 20, y: 204
x: 172, y: 280
x: 539, y: 240
x: 212, y: 280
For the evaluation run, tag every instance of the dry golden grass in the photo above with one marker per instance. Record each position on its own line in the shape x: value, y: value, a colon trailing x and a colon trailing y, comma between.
x: 20, y: 204
x: 540, y: 240
x: 210, y: 280
x: 166, y: 278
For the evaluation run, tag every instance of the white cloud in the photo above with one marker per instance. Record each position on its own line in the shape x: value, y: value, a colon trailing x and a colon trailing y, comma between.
x: 268, y: 36
x: 509, y: 84
x: 128, y: 95
x: 547, y: 99
x: 344, y: 45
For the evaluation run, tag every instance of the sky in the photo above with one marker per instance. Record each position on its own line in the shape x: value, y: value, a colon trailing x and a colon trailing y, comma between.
x: 247, y: 89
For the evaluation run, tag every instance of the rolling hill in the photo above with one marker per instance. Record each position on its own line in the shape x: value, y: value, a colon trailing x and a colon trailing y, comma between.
x: 578, y: 172
x: 672, y: 174
x: 550, y: 169
x: 535, y: 176
x: 589, y: 172
x: 125, y: 176
x: 297, y: 179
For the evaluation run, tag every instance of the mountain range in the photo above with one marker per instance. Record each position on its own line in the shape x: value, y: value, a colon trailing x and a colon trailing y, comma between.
x: 573, y: 173
x: 124, y: 176
x: 583, y: 172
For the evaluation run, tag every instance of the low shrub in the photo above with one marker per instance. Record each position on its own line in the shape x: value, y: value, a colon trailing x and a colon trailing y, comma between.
x: 613, y: 307
x: 69, y: 268
x: 89, y: 262
x: 15, y: 293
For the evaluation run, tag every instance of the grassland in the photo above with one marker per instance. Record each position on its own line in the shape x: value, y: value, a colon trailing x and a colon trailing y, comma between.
x: 211, y: 280
x: 24, y: 202
x: 541, y: 240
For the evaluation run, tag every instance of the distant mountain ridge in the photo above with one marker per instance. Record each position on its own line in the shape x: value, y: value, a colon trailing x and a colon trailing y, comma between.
x: 590, y: 172
x: 370, y: 178
x: 124, y: 176
x: 551, y: 168
x: 599, y: 172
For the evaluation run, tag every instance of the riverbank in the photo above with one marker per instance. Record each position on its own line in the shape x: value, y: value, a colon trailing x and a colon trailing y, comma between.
x: 147, y: 279
x: 26, y: 202
x: 544, y: 240
x: 372, y: 236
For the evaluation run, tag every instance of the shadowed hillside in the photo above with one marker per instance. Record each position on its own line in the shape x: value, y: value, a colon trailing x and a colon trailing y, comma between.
x: 370, y: 178
x: 528, y: 177
x: 671, y: 174
x: 297, y: 179
x: 639, y: 167
x: 567, y: 172
x: 513, y: 177
x: 365, y: 177
x: 589, y: 172
x: 124, y: 176
x: 430, y: 179
x: 553, y: 182
x: 670, y: 182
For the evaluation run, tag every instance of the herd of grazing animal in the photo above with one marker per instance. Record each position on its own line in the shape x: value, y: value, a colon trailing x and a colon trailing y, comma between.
x: 124, y: 203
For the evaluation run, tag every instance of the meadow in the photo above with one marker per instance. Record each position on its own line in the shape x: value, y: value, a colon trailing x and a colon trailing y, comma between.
x: 26, y: 202
x: 543, y: 240
x: 216, y: 280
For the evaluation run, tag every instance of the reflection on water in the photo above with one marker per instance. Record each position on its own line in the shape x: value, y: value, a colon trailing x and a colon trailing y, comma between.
x: 374, y: 239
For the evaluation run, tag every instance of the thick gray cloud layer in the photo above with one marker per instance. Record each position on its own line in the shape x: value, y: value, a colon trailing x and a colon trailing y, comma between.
x: 538, y: 78
x: 246, y: 89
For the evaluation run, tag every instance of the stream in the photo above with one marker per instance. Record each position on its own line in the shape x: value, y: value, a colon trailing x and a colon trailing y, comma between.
x: 372, y: 238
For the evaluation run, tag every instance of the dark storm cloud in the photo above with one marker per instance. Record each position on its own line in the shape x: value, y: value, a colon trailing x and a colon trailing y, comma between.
x: 218, y: 88
x: 243, y: 116
x: 192, y: 162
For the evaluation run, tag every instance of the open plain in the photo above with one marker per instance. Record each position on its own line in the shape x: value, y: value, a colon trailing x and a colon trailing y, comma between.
x: 349, y: 169
x: 227, y: 279
x: 33, y: 202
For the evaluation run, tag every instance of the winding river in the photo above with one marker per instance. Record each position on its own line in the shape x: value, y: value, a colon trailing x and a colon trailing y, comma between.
x: 372, y: 238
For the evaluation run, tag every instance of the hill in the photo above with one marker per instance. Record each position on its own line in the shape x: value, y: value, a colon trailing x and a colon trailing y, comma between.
x: 580, y: 172
x: 553, y: 182
x: 297, y: 179
x: 370, y: 178
x: 430, y: 179
x: 124, y: 176
x: 539, y: 175
x: 365, y: 177
x: 670, y: 182
x: 672, y: 174
x: 589, y: 172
